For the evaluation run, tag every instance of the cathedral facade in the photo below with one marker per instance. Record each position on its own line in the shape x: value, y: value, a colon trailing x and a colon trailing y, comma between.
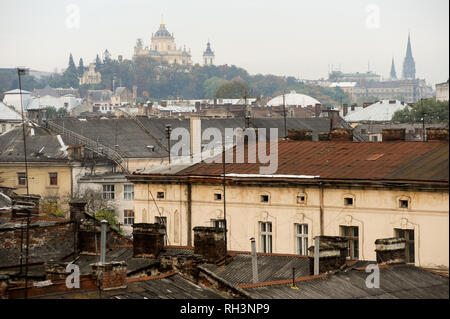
x: 163, y: 48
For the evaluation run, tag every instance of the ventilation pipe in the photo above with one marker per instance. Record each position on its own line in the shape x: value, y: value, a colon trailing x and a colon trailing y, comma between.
x: 103, y: 242
x: 254, y: 261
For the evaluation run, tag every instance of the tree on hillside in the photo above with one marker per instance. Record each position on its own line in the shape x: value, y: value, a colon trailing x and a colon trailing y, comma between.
x: 211, y: 86
x: 234, y: 89
x: 431, y: 110
x: 80, y: 67
x: 72, y: 68
x: 98, y: 63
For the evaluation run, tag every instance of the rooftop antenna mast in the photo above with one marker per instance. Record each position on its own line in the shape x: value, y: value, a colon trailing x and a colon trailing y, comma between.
x: 224, y: 203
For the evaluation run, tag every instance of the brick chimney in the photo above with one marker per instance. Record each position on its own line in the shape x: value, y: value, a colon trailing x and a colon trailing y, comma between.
x: 345, y: 111
x: 332, y: 254
x: 4, y: 286
x: 88, y: 233
x: 341, y: 135
x: 300, y: 135
x: 148, y: 239
x: 393, y: 134
x: 390, y: 250
x: 77, y: 210
x: 437, y: 134
x: 353, y: 107
x: 324, y: 136
x: 134, y: 92
x: 111, y: 275
x: 366, y: 104
x: 210, y: 242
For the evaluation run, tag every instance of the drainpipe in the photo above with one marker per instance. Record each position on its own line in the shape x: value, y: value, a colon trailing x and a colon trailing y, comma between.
x: 321, y: 208
x: 254, y: 261
x: 189, y: 214
x: 104, y: 224
x: 316, y: 255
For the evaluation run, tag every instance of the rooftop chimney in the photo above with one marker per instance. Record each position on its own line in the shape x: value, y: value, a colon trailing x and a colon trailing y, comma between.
x: 318, y: 109
x: 210, y: 242
x: 366, y: 104
x: 254, y: 261
x: 332, y: 254
x: 104, y: 225
x: 390, y: 250
x: 437, y: 134
x: 354, y: 106
x: 196, y: 135
x: 300, y: 135
x: 148, y: 239
x: 111, y: 275
x: 341, y: 135
x: 345, y: 111
x: 77, y: 210
x: 393, y: 134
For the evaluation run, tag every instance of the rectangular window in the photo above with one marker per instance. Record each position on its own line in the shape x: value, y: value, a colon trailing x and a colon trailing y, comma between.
x: 162, y: 220
x: 217, y: 196
x: 407, y: 234
x: 128, y: 192
x: 266, y: 237
x: 403, y: 203
x: 301, y: 237
x: 108, y: 191
x: 160, y: 195
x: 218, y: 223
x: 351, y: 233
x: 128, y: 217
x: 3, y: 128
x: 264, y: 198
x: 53, y: 179
x: 21, y: 179
x: 374, y: 138
x: 301, y: 199
x: 348, y: 201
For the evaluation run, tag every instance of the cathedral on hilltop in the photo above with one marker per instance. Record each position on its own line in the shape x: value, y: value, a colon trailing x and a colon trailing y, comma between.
x: 163, y: 48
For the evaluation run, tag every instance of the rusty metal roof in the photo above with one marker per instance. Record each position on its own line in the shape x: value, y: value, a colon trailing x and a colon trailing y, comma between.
x: 342, y: 160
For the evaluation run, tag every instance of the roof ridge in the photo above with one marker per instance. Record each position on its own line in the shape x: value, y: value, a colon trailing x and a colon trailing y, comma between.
x: 281, y: 282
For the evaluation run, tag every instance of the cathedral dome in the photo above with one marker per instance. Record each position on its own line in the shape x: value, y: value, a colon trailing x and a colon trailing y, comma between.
x: 293, y: 98
x: 162, y: 32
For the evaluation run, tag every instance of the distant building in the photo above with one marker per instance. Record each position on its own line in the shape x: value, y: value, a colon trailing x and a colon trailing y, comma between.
x: 90, y: 76
x: 442, y: 92
x: 393, y: 74
x: 8, y: 118
x: 338, y: 76
x: 16, y: 99
x: 163, y: 48
x: 409, y: 66
x: 208, y: 55
x: 381, y: 111
x: 293, y: 99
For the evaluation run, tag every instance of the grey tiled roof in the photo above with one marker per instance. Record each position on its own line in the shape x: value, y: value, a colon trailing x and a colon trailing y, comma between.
x: 402, y: 281
x: 270, y: 268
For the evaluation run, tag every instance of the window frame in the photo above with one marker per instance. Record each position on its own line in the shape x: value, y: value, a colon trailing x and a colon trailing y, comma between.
x: 266, y: 237
x: 405, y: 234
x: 108, y: 194
x: 127, y: 194
x: 127, y: 217
x: 301, y: 238
x: 21, y: 176
x: 51, y: 178
x: 352, y: 241
x: 158, y: 195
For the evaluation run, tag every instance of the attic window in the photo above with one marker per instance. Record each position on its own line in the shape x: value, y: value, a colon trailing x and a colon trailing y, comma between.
x: 264, y: 198
x: 403, y: 203
x: 217, y: 196
x: 160, y: 195
x: 301, y: 199
x: 348, y: 201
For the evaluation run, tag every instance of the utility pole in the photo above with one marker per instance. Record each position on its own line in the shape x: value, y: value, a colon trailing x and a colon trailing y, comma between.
x: 23, y: 71
x: 224, y: 204
x: 284, y: 113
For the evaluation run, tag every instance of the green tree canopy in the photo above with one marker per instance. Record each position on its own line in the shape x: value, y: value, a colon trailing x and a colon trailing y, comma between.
x: 431, y: 110
x: 237, y: 88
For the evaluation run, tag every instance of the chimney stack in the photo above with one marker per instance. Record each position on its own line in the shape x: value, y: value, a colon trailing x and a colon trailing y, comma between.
x: 300, y: 135
x: 318, y: 109
x: 148, y: 239
x: 196, y: 136
x: 345, y: 111
x: 104, y: 225
x: 341, y: 135
x: 437, y: 134
x: 390, y: 250
x: 393, y: 134
x: 254, y: 261
x: 210, y: 242
x: 77, y: 210
x: 111, y: 275
x: 332, y: 254
x: 366, y: 104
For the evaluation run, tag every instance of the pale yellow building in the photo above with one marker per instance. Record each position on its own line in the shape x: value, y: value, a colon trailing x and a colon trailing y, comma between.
x: 90, y: 76
x: 163, y: 48
x: 362, y: 191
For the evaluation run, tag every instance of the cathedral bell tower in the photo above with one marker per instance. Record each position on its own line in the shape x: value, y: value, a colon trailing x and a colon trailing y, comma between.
x: 208, y: 55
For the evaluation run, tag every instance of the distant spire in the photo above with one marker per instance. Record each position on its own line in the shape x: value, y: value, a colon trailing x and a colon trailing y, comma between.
x: 409, y: 66
x: 393, y: 73
x: 162, y: 19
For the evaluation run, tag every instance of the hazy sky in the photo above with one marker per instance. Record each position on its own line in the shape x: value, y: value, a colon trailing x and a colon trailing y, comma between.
x: 298, y: 38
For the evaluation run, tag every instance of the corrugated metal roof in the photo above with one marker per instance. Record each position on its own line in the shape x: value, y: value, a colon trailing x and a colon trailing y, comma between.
x: 270, y: 268
x: 397, y: 282
x: 414, y: 161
